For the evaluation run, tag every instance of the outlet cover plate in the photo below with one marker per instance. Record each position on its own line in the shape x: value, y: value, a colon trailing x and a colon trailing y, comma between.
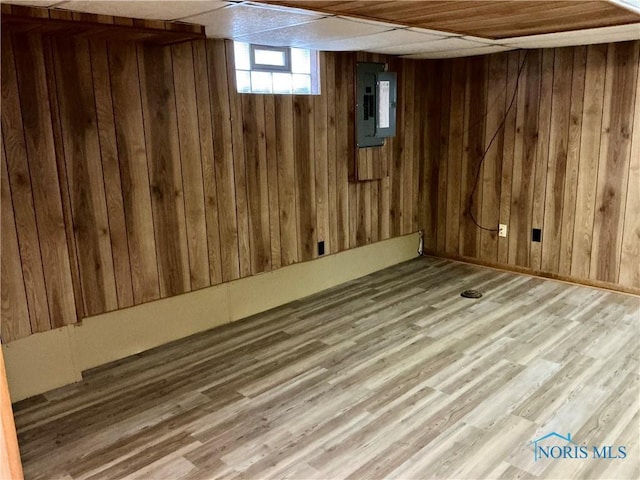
x: 502, y: 230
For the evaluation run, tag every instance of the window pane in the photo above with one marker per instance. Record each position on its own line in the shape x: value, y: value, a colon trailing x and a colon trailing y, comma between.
x: 242, y: 55
x: 280, y: 70
x: 243, y: 81
x: 300, y: 60
x: 261, y: 82
x: 301, y: 83
x: 270, y: 57
x: 282, y: 83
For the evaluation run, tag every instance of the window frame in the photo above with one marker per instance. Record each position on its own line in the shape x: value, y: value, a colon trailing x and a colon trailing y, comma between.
x: 265, y: 67
x: 247, y: 54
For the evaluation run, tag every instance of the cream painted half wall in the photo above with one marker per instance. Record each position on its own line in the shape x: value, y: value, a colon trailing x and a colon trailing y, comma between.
x: 55, y: 358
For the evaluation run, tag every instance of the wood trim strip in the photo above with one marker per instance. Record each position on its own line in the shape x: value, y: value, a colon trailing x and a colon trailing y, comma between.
x: 538, y: 273
x: 10, y: 464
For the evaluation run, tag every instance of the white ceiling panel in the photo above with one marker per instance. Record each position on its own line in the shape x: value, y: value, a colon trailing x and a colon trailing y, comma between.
x: 323, y: 30
x: 631, y: 5
x: 466, y: 52
x: 284, y: 8
x: 434, y: 32
x: 145, y: 9
x: 450, y: 43
x: 237, y: 20
x: 589, y: 36
x: 377, y: 40
x: 373, y: 22
x: 480, y: 40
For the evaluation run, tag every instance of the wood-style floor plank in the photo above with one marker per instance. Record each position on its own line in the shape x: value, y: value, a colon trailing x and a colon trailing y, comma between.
x: 393, y: 375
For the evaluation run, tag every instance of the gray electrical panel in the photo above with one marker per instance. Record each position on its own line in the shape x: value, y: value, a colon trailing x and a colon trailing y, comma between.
x: 376, y: 98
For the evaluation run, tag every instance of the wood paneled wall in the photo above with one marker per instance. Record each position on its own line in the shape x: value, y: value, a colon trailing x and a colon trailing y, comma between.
x: 135, y: 172
x: 567, y: 161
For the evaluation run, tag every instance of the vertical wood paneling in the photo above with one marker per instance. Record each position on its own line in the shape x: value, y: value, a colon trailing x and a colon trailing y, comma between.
x: 473, y: 149
x: 613, y: 171
x: 191, y: 162
x: 167, y: 180
x: 352, y: 191
x: 223, y: 158
x: 273, y: 204
x: 203, y: 100
x: 286, y: 180
x: 407, y: 157
x: 542, y: 154
x: 15, y: 314
x: 375, y: 211
x: 514, y: 63
x: 349, y: 125
x: 589, y: 153
x: 132, y: 155
x: 111, y: 173
x: 564, y: 165
x: 63, y: 181
x: 321, y: 140
x: 239, y: 169
x: 630, y: 254
x: 84, y: 175
x: 384, y: 207
x: 429, y: 198
x: 343, y: 153
x: 524, y: 161
x: 454, y: 158
x: 21, y: 193
x: 165, y: 170
x: 329, y: 90
x: 34, y: 104
x: 303, y: 130
x: 573, y: 160
x: 443, y: 144
x: 418, y: 121
x: 492, y: 168
x: 557, y: 158
x: 257, y: 182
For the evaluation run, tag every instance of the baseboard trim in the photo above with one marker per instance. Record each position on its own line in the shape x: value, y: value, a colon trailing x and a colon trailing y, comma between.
x: 55, y: 358
x: 538, y: 273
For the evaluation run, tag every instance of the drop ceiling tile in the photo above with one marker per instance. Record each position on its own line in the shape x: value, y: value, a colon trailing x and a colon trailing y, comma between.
x: 237, y: 20
x: 434, y: 32
x: 285, y: 8
x: 373, y: 22
x: 450, y: 43
x: 145, y: 9
x: 632, y: 5
x: 484, y: 41
x: 465, y: 52
x: 313, y: 33
x: 619, y: 33
x: 376, y: 40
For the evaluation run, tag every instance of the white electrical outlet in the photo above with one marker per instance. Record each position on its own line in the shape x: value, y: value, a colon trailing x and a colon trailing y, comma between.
x: 502, y: 230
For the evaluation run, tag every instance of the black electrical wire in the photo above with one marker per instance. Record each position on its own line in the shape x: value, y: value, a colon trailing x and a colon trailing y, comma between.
x: 486, y: 150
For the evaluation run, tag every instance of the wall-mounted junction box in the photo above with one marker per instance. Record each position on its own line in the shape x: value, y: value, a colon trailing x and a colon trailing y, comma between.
x: 376, y: 99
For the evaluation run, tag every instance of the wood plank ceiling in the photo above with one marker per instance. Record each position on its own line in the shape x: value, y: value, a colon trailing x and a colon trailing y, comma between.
x: 481, y: 18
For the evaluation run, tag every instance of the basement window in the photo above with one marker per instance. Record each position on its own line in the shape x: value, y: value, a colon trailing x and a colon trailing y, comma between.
x: 280, y: 70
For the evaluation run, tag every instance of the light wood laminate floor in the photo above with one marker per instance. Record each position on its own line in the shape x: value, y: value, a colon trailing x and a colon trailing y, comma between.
x: 393, y: 375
